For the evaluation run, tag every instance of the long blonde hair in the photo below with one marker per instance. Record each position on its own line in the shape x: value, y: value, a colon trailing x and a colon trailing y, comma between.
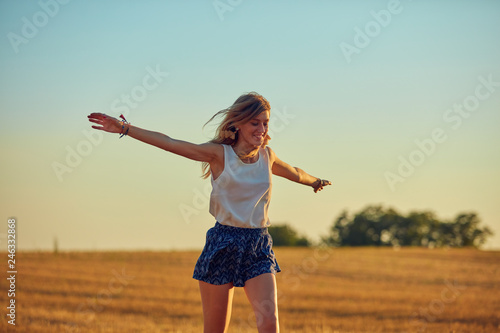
x: 245, y: 108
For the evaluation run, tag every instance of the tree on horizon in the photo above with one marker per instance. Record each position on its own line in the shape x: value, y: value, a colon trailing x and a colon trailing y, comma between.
x: 379, y: 226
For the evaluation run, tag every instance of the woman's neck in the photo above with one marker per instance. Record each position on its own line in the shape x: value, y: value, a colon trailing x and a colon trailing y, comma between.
x: 247, y: 153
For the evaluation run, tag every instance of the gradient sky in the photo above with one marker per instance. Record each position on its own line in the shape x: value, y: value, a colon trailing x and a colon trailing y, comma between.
x: 347, y: 117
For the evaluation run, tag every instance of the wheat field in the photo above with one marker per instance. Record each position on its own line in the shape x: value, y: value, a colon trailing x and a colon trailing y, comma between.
x: 320, y: 290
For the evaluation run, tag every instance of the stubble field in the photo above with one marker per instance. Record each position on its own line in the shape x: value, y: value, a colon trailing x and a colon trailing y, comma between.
x: 320, y: 290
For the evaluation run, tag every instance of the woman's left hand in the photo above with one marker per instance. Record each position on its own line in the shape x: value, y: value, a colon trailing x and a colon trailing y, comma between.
x: 319, y: 184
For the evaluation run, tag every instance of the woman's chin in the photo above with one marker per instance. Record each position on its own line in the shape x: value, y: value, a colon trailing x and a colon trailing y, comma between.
x: 258, y: 143
x: 255, y: 142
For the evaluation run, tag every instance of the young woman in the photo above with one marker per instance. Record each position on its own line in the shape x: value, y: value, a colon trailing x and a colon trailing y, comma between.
x: 238, y: 249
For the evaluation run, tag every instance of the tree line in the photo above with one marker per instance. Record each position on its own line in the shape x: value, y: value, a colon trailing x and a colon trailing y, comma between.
x: 379, y: 226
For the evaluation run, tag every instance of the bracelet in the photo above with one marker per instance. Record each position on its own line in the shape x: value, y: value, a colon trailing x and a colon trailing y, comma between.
x: 122, y: 133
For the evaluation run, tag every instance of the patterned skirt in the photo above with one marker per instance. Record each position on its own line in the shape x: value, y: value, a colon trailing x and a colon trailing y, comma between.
x: 233, y: 254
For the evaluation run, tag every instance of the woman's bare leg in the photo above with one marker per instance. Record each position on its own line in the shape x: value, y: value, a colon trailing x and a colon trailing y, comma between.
x: 217, y: 303
x: 262, y: 294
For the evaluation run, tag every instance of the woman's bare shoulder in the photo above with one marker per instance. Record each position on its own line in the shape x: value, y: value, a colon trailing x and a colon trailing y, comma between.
x: 215, y: 149
x: 272, y: 155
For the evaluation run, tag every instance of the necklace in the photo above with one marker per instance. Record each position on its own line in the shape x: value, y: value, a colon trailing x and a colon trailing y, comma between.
x: 246, y: 158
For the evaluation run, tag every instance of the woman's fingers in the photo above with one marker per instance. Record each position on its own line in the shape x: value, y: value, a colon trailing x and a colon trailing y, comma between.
x: 97, y: 117
x: 97, y: 114
x: 98, y: 121
x: 322, y: 184
x: 108, y: 123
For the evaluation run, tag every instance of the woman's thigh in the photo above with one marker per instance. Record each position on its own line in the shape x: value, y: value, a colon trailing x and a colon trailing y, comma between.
x: 217, y: 301
x: 262, y: 294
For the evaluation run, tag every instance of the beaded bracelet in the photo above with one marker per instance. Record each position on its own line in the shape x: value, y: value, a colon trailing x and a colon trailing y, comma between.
x: 123, y: 126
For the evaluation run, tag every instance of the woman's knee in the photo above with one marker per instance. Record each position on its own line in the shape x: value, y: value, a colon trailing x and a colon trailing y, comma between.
x: 270, y: 326
x: 267, y: 322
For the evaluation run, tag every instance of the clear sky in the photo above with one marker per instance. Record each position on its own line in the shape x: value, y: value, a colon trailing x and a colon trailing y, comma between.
x: 396, y: 102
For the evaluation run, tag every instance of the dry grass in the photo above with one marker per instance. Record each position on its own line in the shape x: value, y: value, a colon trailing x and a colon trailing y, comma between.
x: 336, y: 290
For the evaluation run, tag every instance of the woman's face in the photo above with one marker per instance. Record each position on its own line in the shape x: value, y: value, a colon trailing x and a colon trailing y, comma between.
x: 254, y: 131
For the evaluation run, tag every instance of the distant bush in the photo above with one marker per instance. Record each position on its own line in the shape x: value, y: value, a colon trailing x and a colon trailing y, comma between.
x: 376, y: 226
x: 284, y: 235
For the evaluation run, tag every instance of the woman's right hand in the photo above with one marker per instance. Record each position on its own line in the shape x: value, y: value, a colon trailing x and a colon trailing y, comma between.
x: 108, y: 124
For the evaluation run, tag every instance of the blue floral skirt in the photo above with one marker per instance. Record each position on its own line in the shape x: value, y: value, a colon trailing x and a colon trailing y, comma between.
x: 233, y: 254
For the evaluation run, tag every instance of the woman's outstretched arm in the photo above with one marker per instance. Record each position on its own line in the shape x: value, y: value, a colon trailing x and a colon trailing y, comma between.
x: 205, y: 152
x: 295, y: 174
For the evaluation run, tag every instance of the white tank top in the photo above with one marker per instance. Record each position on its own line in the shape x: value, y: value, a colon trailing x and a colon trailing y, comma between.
x: 241, y: 194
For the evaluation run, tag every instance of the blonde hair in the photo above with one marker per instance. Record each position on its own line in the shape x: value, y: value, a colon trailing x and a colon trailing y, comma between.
x: 245, y: 108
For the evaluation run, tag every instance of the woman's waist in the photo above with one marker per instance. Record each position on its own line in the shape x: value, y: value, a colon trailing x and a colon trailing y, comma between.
x: 240, y: 228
